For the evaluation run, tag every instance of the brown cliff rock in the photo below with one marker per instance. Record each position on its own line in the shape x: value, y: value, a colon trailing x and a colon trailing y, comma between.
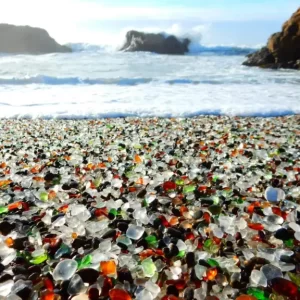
x: 283, y: 48
x: 27, y: 40
x: 155, y: 42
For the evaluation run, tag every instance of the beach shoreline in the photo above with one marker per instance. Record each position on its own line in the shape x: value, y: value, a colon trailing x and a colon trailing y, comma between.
x: 189, y: 207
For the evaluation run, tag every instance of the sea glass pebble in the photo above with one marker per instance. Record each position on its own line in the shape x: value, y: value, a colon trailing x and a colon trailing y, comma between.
x: 274, y: 194
x: 271, y: 271
x: 135, y: 232
x: 65, y: 269
x: 76, y: 285
x: 153, y: 208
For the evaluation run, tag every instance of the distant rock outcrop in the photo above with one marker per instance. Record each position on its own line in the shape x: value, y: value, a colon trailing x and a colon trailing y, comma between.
x: 155, y: 42
x: 283, y: 48
x: 27, y: 40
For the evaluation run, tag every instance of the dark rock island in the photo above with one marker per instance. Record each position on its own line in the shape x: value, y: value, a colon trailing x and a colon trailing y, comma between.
x: 282, y: 49
x: 27, y: 40
x: 155, y: 42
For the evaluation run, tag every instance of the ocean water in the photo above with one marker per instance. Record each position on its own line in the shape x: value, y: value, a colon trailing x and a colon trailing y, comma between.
x: 94, y: 82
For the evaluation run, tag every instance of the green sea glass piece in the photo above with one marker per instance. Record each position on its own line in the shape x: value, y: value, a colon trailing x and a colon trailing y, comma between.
x: 148, y: 267
x: 137, y: 146
x: 39, y: 259
x: 189, y: 189
x: 3, y: 209
x: 151, y: 240
x: 181, y: 254
x: 113, y: 211
x: 258, y: 293
x: 215, y: 178
x: 85, y: 262
x: 179, y: 181
x: 97, y: 181
x: 212, y: 262
x: 289, y: 243
x: 44, y: 196
x: 208, y: 243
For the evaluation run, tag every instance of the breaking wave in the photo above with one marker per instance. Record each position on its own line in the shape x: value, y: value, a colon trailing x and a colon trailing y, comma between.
x: 194, y: 49
x: 49, y: 80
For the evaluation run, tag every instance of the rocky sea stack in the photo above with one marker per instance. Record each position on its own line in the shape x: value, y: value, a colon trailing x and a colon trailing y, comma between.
x: 282, y: 49
x: 27, y: 40
x: 155, y: 42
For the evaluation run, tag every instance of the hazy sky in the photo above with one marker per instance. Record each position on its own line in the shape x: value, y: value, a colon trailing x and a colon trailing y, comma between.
x: 99, y: 21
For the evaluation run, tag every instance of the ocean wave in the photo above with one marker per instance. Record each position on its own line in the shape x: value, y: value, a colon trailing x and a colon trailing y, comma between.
x: 220, y: 50
x: 49, y: 80
x: 194, y: 49
x: 17, y: 112
x: 86, y: 47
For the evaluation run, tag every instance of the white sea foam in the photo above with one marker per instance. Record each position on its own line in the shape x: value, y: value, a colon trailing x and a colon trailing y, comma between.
x: 147, y: 100
x: 49, y: 80
x: 113, y: 42
x: 93, y: 84
x: 195, y: 48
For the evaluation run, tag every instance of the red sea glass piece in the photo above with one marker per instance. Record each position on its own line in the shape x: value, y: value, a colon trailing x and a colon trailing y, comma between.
x: 183, y: 209
x: 245, y: 297
x: 25, y: 206
x: 217, y: 240
x: 48, y: 284
x: 189, y: 236
x: 285, y: 287
x: 199, y: 243
x: 277, y: 211
x: 164, y: 221
x: 63, y: 208
x: 180, y: 284
x: 202, y: 188
x: 211, y: 274
x: 206, y: 217
x: 47, y: 296
x: 169, y: 186
x: 101, y: 212
x: 15, y: 205
x: 18, y: 188
x: 107, y: 288
x: 256, y: 226
x: 118, y: 294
